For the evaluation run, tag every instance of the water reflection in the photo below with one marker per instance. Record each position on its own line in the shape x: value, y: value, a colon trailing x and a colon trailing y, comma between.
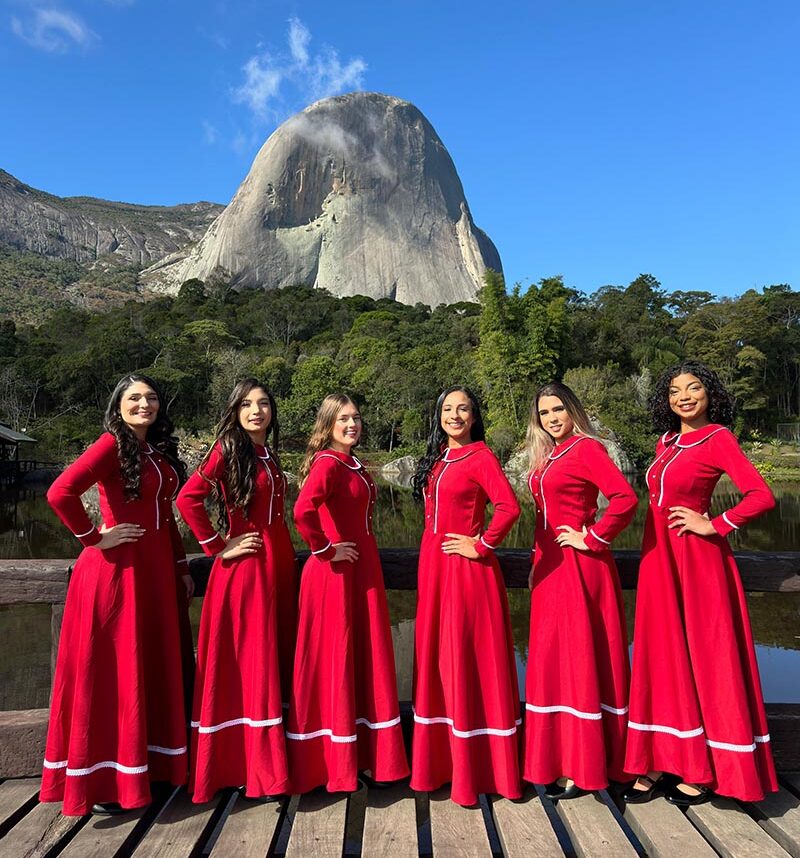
x: 29, y: 528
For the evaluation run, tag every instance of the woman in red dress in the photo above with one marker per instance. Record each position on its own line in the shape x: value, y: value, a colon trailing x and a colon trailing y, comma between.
x: 466, y: 697
x: 344, y: 715
x: 577, y: 681
x: 117, y: 712
x: 247, y: 628
x: 696, y: 708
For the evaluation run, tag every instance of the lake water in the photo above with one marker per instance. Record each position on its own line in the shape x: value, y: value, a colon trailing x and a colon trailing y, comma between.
x: 29, y: 528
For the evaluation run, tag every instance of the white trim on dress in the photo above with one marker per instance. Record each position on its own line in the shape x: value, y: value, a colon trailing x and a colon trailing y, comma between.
x: 468, y: 734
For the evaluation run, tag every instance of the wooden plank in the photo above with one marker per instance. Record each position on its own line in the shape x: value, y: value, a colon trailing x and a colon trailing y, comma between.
x: 390, y: 824
x: 56, y: 617
x: 779, y: 815
x: 457, y: 832
x: 524, y: 829
x: 33, y: 580
x: 38, y: 832
x: 14, y: 794
x: 249, y: 829
x: 731, y: 831
x: 784, y: 730
x: 27, y: 581
x: 664, y: 831
x: 318, y: 828
x: 593, y: 829
x: 179, y: 828
x: 104, y: 835
x: 761, y: 571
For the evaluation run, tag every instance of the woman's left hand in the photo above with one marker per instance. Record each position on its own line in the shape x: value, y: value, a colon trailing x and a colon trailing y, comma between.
x: 458, y: 543
x: 571, y: 537
x: 690, y: 521
x: 188, y: 582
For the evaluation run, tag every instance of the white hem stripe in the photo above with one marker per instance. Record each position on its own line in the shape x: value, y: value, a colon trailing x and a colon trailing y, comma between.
x: 660, y: 728
x: 113, y: 764
x: 691, y: 734
x: 569, y: 710
x: 335, y: 737
x: 248, y: 722
x: 468, y: 734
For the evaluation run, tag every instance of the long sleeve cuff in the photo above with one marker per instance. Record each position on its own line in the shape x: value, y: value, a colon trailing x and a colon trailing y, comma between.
x: 595, y: 542
x: 723, y: 524
x: 90, y: 538
x: 325, y: 553
x: 483, y: 548
x: 213, y: 545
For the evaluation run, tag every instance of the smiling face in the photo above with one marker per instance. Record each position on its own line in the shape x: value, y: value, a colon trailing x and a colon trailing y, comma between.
x: 457, y: 418
x: 555, y: 418
x: 688, y: 399
x: 346, y: 431
x: 255, y: 414
x: 138, y: 408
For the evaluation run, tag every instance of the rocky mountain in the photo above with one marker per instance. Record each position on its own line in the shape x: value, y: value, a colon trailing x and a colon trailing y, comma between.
x: 84, y: 229
x: 356, y: 194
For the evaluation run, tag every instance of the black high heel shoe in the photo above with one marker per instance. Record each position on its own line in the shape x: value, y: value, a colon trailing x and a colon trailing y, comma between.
x: 640, y: 796
x: 557, y: 792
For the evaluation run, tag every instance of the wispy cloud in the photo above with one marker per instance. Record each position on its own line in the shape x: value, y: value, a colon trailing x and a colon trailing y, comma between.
x: 210, y: 133
x: 53, y: 30
x: 307, y: 76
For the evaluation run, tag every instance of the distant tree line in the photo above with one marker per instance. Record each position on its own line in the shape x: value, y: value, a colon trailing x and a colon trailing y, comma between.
x: 609, y: 346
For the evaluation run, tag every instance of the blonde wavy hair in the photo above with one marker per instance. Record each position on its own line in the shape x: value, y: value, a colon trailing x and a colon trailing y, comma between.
x: 539, y: 443
x: 322, y: 433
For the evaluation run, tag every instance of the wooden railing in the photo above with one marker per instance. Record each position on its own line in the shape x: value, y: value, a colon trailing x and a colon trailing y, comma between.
x: 45, y: 582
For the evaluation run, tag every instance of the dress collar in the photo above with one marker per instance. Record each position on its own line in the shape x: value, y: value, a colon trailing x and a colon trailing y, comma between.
x: 693, y: 438
x: 346, y: 459
x: 564, y: 446
x: 456, y: 454
x: 262, y: 451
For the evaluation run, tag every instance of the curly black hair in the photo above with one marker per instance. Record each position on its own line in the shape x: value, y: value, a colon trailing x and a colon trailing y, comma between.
x: 437, y: 438
x: 720, y: 402
x: 160, y: 436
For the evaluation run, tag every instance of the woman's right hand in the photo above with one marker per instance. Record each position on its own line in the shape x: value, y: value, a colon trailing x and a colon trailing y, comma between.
x: 530, y: 578
x: 345, y: 551
x: 242, y: 545
x: 111, y: 537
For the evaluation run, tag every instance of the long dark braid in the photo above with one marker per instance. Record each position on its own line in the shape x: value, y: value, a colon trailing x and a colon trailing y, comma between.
x: 438, y: 437
x: 160, y: 435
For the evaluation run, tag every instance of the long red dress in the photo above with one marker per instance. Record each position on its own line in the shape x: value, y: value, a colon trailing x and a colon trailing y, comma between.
x: 246, y: 641
x: 696, y: 708
x: 576, y: 689
x: 117, y: 713
x: 466, y: 698
x: 344, y: 715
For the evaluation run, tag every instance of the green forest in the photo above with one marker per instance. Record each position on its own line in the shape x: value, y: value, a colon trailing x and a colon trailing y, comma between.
x: 609, y: 346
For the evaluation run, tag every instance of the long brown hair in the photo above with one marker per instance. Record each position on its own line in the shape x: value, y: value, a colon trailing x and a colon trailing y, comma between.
x: 322, y: 433
x: 238, y: 450
x: 538, y: 441
x: 159, y: 435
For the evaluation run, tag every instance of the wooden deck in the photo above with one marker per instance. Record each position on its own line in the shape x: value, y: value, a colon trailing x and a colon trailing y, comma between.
x: 396, y: 822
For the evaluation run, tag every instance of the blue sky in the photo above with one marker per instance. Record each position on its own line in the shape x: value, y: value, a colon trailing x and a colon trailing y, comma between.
x: 596, y: 140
